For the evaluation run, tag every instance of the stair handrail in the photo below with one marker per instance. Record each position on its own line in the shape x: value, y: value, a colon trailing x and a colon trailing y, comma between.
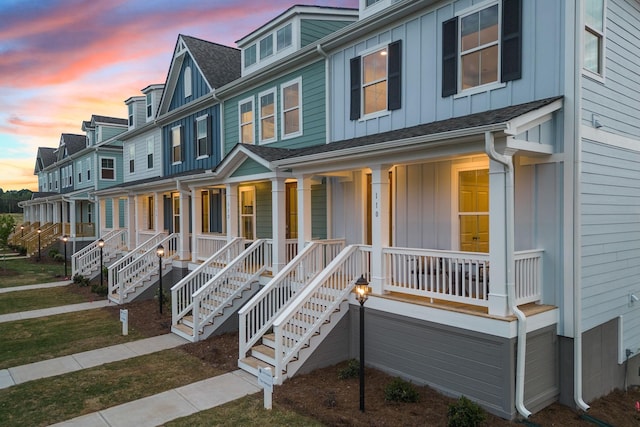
x: 254, y: 260
x: 333, y: 286
x: 124, y: 275
x: 151, y: 243
x: 46, y: 231
x: 257, y: 316
x: 114, y: 241
x: 182, y: 292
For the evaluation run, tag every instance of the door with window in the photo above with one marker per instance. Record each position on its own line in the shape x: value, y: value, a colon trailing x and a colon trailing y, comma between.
x: 247, y: 212
x: 291, y: 191
x: 176, y: 212
x: 473, y: 210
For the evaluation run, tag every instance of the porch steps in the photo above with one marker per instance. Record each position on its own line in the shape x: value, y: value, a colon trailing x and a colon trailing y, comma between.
x: 140, y: 286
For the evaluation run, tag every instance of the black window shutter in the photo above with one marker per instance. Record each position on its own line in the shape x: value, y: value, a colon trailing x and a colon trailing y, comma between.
x: 209, y: 136
x: 168, y: 214
x: 394, y: 92
x: 195, y: 137
x: 511, y: 40
x: 449, y: 57
x: 182, y: 147
x: 355, y: 88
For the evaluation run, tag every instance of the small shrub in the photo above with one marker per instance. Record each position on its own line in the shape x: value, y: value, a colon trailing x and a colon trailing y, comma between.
x: 53, y: 252
x: 101, y: 290
x: 465, y: 413
x: 80, y: 280
x: 352, y: 370
x: 57, y: 257
x: 400, y: 390
x: 22, y: 250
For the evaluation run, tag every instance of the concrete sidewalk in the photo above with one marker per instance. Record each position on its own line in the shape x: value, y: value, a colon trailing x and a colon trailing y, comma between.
x: 38, y: 286
x: 88, y: 359
x: 169, y: 405
x: 10, y: 317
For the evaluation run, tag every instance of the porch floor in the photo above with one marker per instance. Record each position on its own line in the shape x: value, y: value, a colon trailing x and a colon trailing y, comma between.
x: 528, y: 309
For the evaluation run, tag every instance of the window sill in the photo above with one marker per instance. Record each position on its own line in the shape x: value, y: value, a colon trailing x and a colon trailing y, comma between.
x: 598, y: 78
x: 479, y: 89
x: 176, y: 163
x: 267, y: 141
x: 375, y: 115
x: 204, y: 156
x: 291, y: 135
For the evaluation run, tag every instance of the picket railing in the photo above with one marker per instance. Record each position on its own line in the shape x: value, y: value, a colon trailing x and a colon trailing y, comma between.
x: 87, y: 259
x: 257, y: 316
x: 182, y: 292
x: 528, y: 276
x: 209, y: 244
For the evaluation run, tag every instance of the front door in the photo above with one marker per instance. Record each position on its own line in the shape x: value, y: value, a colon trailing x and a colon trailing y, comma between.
x: 291, y: 191
x: 473, y: 210
x: 247, y: 212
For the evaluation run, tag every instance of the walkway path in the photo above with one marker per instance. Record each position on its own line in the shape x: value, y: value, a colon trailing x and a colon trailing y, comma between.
x: 31, y: 287
x: 10, y: 317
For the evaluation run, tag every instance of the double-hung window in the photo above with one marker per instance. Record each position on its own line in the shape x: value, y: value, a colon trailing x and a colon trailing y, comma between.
x: 149, y: 106
x: 594, y: 36
x: 150, y: 153
x: 132, y: 158
x: 481, y: 47
x: 376, y: 81
x: 291, y: 108
x: 245, y: 110
x: 283, y: 36
x: 202, y: 136
x: 266, y: 46
x: 130, y: 110
x: 176, y: 144
x: 266, y: 102
x: 107, y: 168
x: 250, y: 57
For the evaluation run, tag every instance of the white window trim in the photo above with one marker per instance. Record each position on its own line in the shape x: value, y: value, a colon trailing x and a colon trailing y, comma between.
x: 475, y: 163
x: 148, y: 102
x: 253, y: 120
x: 298, y: 81
x: 198, y: 120
x: 114, y: 168
x: 253, y: 213
x: 487, y: 86
x: 244, y: 63
x: 188, y: 84
x: 275, y: 36
x: 273, y: 47
x: 275, y: 115
x: 173, y: 144
x: 131, y: 157
x: 600, y: 78
x: 150, y: 143
x: 380, y: 113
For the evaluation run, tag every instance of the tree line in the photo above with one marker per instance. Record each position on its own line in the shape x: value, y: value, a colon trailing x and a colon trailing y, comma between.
x: 9, y: 200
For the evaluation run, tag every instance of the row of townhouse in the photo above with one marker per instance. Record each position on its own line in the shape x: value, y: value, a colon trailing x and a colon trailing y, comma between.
x: 475, y: 161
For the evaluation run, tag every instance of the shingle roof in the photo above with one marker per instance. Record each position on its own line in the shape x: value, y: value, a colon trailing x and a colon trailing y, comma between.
x: 220, y: 64
x: 74, y: 143
x: 268, y: 153
x: 48, y: 155
x: 106, y: 119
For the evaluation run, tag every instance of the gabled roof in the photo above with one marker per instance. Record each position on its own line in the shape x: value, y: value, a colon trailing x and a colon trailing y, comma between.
x: 73, y: 142
x: 47, y: 156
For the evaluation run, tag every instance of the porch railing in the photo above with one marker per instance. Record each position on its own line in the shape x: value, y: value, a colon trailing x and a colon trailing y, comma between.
x: 87, y: 259
x: 209, y: 244
x: 82, y: 229
x: 182, y: 292
x: 456, y: 276
x: 257, y: 316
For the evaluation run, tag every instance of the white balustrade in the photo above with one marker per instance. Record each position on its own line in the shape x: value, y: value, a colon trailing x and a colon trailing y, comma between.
x: 209, y: 244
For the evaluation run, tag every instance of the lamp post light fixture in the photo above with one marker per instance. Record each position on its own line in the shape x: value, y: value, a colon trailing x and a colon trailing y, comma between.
x: 65, y: 239
x: 160, y: 253
x: 39, y: 247
x: 363, y: 290
x: 22, y: 231
x: 101, y: 245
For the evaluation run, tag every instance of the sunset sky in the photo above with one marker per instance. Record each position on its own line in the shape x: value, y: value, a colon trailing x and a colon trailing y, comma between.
x: 63, y: 60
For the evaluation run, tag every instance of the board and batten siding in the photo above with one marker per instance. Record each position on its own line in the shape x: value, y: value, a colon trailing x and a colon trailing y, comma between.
x: 610, y: 235
x: 616, y: 99
x: 421, y: 92
x: 199, y: 86
x: 313, y: 110
x: 141, y: 171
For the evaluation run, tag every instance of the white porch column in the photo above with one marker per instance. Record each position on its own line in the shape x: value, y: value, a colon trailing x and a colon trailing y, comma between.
x: 65, y: 217
x: 232, y: 211
x: 304, y: 211
x: 102, y: 215
x: 498, y: 304
x: 158, y: 212
x: 132, y: 224
x: 43, y: 214
x: 196, y: 220
x: 278, y: 224
x: 72, y: 224
x: 184, y: 224
x: 379, y: 225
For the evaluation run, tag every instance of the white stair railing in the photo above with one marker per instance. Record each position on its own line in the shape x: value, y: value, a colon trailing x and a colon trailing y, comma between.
x: 257, y: 316
x: 232, y: 281
x: 125, y: 274
x: 313, y: 306
x: 182, y: 292
x: 87, y: 260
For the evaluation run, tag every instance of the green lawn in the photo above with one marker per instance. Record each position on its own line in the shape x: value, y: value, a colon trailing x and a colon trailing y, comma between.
x: 21, y: 272
x: 50, y: 400
x: 13, y: 302
x: 247, y: 411
x: 33, y: 340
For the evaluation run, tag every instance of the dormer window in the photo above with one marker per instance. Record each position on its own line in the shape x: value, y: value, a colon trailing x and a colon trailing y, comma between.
x: 266, y: 46
x: 149, y: 106
x: 250, y: 55
x: 187, y: 82
x: 283, y: 37
x: 130, y: 108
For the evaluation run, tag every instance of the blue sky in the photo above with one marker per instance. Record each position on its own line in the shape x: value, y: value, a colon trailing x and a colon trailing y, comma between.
x: 63, y: 60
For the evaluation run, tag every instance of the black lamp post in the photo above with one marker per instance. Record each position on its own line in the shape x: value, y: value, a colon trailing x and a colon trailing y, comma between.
x: 362, y: 293
x: 101, y: 245
x: 65, y: 239
x: 39, y: 248
x: 160, y: 253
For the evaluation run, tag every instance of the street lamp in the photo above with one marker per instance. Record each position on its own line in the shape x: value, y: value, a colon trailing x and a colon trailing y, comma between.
x: 362, y: 293
x: 65, y: 239
x: 160, y: 253
x: 22, y: 235
x: 39, y: 248
x: 101, y: 245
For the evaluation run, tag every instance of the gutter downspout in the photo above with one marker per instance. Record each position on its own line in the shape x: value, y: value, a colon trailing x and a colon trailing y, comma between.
x: 577, y: 253
x: 326, y: 91
x: 507, y: 161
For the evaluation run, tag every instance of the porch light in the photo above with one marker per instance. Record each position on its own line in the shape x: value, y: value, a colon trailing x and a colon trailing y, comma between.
x: 362, y: 293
